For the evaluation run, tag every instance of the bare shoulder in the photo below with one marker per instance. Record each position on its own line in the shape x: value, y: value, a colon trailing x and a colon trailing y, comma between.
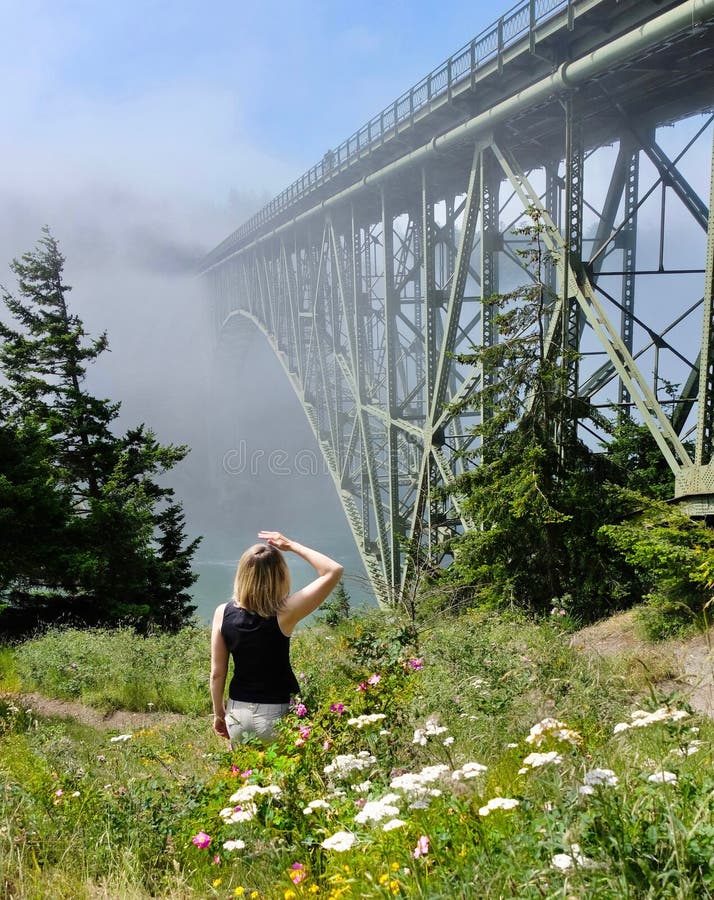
x: 218, y: 614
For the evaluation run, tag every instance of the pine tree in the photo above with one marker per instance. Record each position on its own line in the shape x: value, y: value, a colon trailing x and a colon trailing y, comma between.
x: 534, y: 491
x: 124, y: 554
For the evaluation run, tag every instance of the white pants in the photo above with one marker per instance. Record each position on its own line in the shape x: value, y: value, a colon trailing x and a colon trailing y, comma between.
x: 246, y: 720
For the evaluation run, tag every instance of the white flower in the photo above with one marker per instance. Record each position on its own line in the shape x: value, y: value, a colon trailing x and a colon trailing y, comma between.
x: 448, y: 741
x: 120, y: 737
x: 392, y: 824
x: 249, y: 791
x: 691, y: 748
x: 505, y: 803
x: 468, y: 770
x: 235, y: 814
x: 363, y: 787
x: 376, y: 810
x: 233, y: 845
x: 564, y: 861
x: 341, y: 766
x: 552, y: 728
x: 364, y: 721
x: 340, y: 841
x: 536, y: 760
x: 641, y: 718
x: 596, y: 778
x: 315, y: 804
x: 663, y: 778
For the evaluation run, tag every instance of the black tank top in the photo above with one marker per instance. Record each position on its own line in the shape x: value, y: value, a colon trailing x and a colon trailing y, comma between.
x: 261, y: 657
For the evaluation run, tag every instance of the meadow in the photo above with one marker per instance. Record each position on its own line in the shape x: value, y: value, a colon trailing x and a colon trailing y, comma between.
x: 477, y: 756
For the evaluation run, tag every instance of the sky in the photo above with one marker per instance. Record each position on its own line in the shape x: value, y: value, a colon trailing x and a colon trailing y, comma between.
x: 142, y: 133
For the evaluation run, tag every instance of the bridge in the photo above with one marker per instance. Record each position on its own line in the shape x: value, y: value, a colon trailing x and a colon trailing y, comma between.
x: 367, y: 275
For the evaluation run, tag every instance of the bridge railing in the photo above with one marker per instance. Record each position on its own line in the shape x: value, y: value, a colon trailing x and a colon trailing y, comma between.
x: 521, y: 20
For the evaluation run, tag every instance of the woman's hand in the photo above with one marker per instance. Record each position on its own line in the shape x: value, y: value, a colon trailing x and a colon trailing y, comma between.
x: 275, y: 539
x: 220, y: 727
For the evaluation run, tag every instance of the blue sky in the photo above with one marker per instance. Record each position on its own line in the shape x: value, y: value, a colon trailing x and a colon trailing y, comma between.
x: 198, y: 100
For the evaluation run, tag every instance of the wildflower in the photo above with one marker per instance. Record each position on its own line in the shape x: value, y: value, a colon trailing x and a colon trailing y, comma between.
x: 374, y: 679
x: 338, y: 708
x: 101, y: 758
x: 536, y: 760
x: 216, y: 860
x: 663, y: 778
x: 565, y: 861
x: 315, y: 804
x: 120, y: 737
x: 249, y: 792
x: 468, y: 770
x: 246, y: 774
x: 362, y: 787
x: 362, y: 686
x: 240, y: 890
x: 597, y: 777
x: 383, y: 879
x: 340, y: 841
x: 201, y: 840
x: 289, y: 895
x: 691, y: 748
x: 365, y: 720
x: 230, y: 846
x: 447, y: 742
x: 217, y: 882
x: 641, y: 718
x: 392, y: 824
x: 297, y: 873
x: 422, y: 847
x: 300, y: 710
x: 552, y: 728
x: 504, y: 803
x: 376, y: 810
x: 416, y: 664
x: 234, y: 814
x: 342, y: 765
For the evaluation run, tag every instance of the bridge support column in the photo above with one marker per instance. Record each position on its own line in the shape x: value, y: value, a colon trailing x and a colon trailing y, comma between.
x: 694, y: 486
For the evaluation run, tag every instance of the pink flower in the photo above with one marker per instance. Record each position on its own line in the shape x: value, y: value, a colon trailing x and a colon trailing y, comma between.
x: 416, y: 663
x: 201, y: 840
x: 362, y: 686
x: 374, y: 679
x: 246, y: 774
x: 338, y: 708
x: 216, y: 860
x: 234, y: 771
x: 304, y: 732
x: 326, y: 745
x: 422, y: 847
x: 301, y: 710
x: 297, y: 873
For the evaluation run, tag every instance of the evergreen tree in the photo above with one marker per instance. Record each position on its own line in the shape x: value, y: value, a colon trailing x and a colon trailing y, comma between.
x: 124, y: 555
x: 336, y: 608
x: 535, y: 492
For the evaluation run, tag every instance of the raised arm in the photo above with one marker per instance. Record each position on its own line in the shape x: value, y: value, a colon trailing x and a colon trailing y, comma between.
x: 306, y: 600
x: 219, y: 670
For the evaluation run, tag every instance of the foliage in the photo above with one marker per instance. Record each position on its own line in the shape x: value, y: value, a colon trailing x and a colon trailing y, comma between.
x: 536, y: 494
x: 97, y: 536
x: 337, y: 606
x: 670, y: 553
x: 511, y: 760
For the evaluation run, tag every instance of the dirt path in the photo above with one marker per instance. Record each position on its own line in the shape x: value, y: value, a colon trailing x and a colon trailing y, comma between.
x: 685, y: 666
x: 119, y: 720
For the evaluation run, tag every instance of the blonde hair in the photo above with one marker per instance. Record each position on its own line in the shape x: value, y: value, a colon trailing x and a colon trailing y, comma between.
x: 262, y: 582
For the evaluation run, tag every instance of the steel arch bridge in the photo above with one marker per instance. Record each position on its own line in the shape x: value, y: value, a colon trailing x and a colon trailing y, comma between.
x: 367, y: 274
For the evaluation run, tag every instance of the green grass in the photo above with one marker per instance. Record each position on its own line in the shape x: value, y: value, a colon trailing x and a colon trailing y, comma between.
x: 84, y: 816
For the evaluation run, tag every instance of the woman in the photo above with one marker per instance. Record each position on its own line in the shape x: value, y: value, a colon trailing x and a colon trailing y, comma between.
x: 255, y: 627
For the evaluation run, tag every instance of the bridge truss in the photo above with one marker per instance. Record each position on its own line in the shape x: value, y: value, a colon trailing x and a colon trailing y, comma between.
x: 368, y: 275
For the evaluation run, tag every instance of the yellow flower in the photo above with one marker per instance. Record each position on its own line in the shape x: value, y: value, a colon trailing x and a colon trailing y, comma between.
x: 240, y: 890
x: 254, y: 895
x: 313, y: 889
x: 346, y: 869
x: 394, y: 887
x: 217, y: 882
x: 383, y: 879
x: 394, y: 867
x: 289, y: 895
